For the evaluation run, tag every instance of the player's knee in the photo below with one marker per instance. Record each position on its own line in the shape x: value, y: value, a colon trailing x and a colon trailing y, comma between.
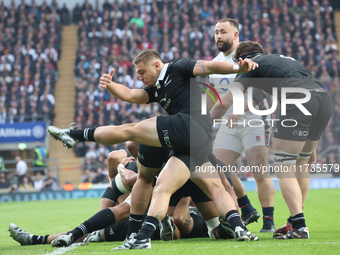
x: 263, y: 181
x: 215, y: 188
x: 106, y: 203
x: 120, y: 212
x: 260, y: 181
x: 130, y: 132
x: 115, y: 157
x: 259, y: 160
x: 163, y: 188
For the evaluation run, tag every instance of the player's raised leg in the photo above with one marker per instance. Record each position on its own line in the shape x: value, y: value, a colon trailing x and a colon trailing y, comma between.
x: 144, y: 132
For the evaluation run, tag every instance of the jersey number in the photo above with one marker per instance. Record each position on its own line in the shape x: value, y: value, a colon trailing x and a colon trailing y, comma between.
x: 287, y: 57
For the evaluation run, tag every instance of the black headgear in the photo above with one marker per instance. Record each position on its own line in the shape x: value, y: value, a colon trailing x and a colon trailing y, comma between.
x: 250, y: 55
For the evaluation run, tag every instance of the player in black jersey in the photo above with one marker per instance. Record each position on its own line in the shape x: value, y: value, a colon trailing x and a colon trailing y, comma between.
x: 296, y: 137
x: 112, y: 233
x: 185, y: 131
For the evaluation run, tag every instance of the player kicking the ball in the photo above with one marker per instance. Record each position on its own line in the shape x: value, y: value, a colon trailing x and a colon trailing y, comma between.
x: 169, y: 85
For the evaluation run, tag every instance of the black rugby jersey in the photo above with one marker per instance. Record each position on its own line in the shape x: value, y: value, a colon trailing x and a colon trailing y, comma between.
x: 177, y: 91
x: 278, y: 71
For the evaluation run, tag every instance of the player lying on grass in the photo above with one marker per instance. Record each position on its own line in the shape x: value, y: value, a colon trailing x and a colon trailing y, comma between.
x: 121, y: 212
x: 115, y: 232
x: 189, y: 223
x: 100, y: 220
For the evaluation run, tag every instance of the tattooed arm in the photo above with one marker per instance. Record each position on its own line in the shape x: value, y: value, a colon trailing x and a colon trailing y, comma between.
x: 203, y: 68
x: 182, y: 217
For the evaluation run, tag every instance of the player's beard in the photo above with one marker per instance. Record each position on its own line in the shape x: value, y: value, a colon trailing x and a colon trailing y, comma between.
x: 226, y: 45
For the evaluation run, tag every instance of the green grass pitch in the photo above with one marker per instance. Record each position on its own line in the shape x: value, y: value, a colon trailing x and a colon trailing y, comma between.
x: 47, y: 217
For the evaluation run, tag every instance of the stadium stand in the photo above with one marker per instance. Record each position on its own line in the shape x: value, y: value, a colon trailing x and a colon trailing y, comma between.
x: 30, y: 39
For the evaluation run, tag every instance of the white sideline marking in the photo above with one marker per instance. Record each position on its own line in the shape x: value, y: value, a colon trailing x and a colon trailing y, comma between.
x: 286, y: 244
x: 255, y: 245
x: 63, y: 250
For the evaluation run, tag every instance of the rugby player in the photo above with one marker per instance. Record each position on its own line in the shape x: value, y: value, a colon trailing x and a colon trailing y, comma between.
x: 230, y: 143
x: 194, y: 226
x: 169, y: 85
x: 295, y: 139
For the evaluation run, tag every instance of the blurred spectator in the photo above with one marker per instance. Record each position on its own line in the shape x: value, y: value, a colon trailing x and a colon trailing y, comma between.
x: 2, y: 164
x: 68, y: 186
x: 21, y: 169
x: 77, y: 14
x: 4, y: 183
x: 100, y: 177
x: 136, y: 19
x: 64, y: 15
x: 40, y: 156
x: 50, y: 183
x: 26, y: 184
x: 38, y: 182
x: 89, y: 176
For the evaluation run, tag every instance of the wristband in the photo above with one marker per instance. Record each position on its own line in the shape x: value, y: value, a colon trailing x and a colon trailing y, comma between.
x: 236, y: 67
x: 120, y: 167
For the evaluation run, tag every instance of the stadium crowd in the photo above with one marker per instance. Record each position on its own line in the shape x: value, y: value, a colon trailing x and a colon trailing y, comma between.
x: 30, y: 38
x: 111, y: 35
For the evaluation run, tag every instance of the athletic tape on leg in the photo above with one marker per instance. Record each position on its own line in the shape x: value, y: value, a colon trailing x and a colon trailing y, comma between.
x: 305, y: 154
x: 128, y: 200
x: 213, y: 223
x: 120, y: 185
x: 282, y: 157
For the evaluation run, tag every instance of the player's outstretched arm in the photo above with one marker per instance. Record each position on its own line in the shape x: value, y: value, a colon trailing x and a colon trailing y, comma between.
x: 139, y: 96
x: 219, y: 109
x: 203, y: 68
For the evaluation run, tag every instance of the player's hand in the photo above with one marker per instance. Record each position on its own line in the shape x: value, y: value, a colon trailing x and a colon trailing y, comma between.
x: 233, y: 120
x: 247, y: 65
x: 125, y: 161
x: 105, y: 79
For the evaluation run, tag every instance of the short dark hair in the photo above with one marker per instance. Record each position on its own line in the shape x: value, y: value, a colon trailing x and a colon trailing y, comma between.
x: 146, y: 55
x: 247, y: 47
x: 232, y: 22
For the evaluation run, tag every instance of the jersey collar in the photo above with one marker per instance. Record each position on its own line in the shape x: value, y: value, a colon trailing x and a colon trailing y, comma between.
x: 230, y: 55
x: 161, y: 76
